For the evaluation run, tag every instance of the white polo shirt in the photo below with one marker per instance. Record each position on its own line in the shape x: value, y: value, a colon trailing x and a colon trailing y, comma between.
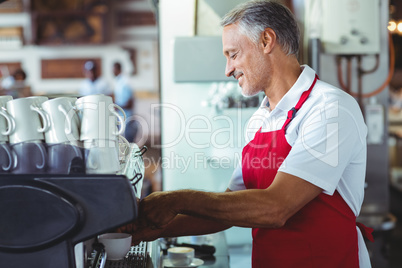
x: 328, y: 140
x: 99, y: 86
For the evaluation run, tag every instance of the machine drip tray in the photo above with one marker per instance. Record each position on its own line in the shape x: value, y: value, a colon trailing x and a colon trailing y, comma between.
x: 135, y: 258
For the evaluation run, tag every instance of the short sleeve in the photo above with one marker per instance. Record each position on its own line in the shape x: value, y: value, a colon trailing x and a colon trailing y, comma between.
x: 326, y: 142
x: 236, y: 182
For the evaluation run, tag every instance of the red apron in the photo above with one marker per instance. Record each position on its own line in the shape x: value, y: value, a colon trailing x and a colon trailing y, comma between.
x: 321, y: 234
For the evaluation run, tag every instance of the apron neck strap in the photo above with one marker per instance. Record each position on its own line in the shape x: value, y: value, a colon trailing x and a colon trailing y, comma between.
x: 292, y: 112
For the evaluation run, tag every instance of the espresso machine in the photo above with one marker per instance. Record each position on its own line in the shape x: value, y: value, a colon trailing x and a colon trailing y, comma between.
x: 64, y: 180
x: 44, y: 216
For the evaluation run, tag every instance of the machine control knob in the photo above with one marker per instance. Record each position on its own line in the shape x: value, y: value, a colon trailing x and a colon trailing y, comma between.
x: 344, y: 40
x: 354, y: 32
x: 364, y: 40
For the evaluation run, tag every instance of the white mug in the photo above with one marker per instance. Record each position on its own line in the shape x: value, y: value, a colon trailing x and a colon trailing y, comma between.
x: 105, y: 156
x: 101, y: 157
x: 7, y: 124
x: 121, y: 144
x: 61, y: 157
x: 73, y: 100
x: 37, y: 102
x: 29, y: 157
x: 6, y: 157
x: 62, y: 119
x: 99, y: 119
x: 28, y: 118
x: 181, y: 256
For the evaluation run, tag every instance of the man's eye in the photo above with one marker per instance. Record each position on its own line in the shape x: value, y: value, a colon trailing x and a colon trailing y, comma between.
x: 233, y: 55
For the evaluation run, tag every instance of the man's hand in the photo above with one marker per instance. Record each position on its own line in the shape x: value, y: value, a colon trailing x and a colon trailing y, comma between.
x: 157, y: 210
x: 146, y: 234
x: 140, y: 234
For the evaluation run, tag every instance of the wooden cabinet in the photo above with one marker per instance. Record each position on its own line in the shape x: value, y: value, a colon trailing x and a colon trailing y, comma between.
x: 69, y: 22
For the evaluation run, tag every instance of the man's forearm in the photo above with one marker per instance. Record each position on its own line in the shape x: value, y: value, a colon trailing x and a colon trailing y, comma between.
x: 181, y: 225
x: 242, y: 208
x: 263, y: 208
x: 184, y: 225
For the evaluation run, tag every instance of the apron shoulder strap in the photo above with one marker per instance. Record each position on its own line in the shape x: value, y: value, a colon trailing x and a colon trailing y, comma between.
x: 292, y: 112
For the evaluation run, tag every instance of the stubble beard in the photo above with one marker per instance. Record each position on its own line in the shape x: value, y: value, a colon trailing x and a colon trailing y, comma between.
x: 249, y: 92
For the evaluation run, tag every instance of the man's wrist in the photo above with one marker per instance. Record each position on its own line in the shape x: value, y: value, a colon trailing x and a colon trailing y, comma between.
x: 182, y: 202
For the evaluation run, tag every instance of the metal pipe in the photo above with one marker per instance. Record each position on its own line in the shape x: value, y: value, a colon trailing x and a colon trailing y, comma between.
x: 314, y: 50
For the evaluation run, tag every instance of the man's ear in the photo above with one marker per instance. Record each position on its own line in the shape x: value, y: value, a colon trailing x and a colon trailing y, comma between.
x: 268, y: 39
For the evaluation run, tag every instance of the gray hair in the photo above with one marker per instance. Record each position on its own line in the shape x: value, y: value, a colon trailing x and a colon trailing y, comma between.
x: 254, y: 17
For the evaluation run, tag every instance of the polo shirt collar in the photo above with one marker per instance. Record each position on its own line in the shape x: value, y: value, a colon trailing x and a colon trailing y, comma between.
x: 291, y: 97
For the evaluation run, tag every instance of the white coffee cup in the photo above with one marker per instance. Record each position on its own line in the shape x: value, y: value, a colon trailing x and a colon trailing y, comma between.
x: 73, y: 100
x: 38, y: 100
x: 7, y: 124
x: 180, y: 256
x: 6, y: 157
x: 28, y: 118
x: 102, y: 157
x: 61, y: 157
x: 29, y: 157
x: 62, y: 119
x: 117, y: 245
x: 99, y: 118
x: 198, y: 239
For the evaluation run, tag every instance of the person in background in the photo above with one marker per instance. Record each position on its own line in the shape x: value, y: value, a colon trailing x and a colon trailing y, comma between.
x: 93, y: 83
x: 124, y: 97
x: 300, y: 185
x: 15, y: 84
x: 395, y: 99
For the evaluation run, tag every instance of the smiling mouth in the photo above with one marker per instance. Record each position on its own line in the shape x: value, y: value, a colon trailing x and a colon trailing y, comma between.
x: 237, y: 75
x: 240, y: 79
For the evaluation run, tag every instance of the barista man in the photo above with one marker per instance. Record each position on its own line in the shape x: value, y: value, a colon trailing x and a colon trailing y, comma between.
x: 302, y: 208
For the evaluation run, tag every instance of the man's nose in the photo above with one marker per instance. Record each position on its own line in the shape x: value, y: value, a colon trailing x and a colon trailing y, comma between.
x: 229, y: 69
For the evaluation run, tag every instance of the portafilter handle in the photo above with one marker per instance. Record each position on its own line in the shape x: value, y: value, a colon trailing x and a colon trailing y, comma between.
x: 100, y: 256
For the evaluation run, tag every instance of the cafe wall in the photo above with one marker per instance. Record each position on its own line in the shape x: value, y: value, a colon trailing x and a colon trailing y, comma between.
x: 122, y: 31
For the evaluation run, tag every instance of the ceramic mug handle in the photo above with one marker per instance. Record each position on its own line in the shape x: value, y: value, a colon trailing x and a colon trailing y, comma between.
x: 67, y: 130
x: 91, y: 163
x: 10, y: 123
x: 126, y: 148
x: 120, y: 120
x: 43, y: 153
x: 45, y: 120
x: 72, y: 115
x: 10, y: 157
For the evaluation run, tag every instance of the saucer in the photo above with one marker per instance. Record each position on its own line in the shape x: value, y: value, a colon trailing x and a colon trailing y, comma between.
x: 196, y: 262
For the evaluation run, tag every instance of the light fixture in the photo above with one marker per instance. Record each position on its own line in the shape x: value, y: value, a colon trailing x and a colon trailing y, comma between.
x: 399, y: 27
x: 391, y: 26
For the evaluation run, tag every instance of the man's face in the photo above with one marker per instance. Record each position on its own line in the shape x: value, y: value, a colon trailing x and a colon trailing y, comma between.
x: 244, y: 60
x: 90, y: 74
x: 116, y: 71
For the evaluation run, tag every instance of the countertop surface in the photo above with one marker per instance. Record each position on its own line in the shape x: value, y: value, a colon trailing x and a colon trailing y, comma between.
x: 220, y: 259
